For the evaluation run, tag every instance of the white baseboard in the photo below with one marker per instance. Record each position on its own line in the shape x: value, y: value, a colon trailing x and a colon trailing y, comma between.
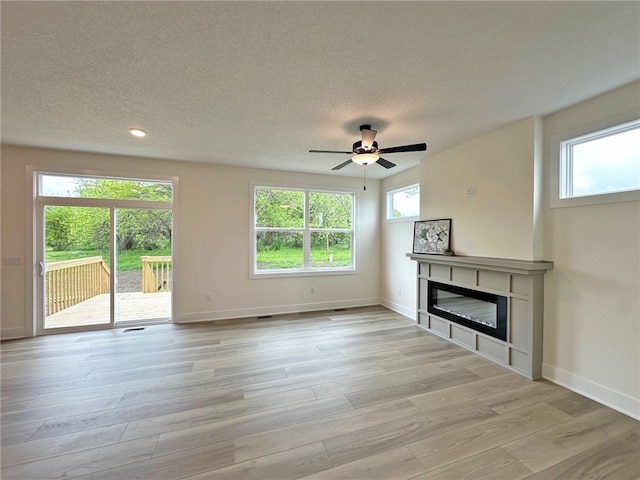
x: 401, y: 309
x: 13, y: 333
x: 275, y: 310
x: 611, y: 398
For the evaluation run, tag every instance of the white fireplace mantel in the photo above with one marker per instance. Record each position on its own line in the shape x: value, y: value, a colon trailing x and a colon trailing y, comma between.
x: 520, y: 281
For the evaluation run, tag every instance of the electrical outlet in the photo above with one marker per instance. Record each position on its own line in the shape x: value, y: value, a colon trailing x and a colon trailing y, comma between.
x: 207, y: 297
x: 399, y: 292
x: 313, y: 290
x: 471, y: 192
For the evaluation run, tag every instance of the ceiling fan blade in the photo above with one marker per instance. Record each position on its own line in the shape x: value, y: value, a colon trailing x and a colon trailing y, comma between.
x: 342, y: 165
x: 368, y: 136
x: 385, y: 163
x: 329, y: 151
x: 418, y: 147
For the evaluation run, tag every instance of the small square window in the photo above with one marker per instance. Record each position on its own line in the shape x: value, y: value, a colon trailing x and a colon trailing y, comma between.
x: 596, y: 165
x: 602, y: 162
x: 403, y: 203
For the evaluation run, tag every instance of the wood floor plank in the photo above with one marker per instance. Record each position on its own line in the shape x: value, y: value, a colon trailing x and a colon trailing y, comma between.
x: 434, y: 382
x: 38, y: 449
x: 169, y: 467
x: 481, y: 387
x: 57, y: 410
x: 567, y: 439
x: 396, y: 464
x: 616, y: 459
x: 18, y: 432
x: 367, y: 441
x: 574, y: 404
x: 320, y: 378
x: 526, y: 395
x: 386, y: 379
x: 230, y: 428
x: 81, y: 463
x: 458, y: 444
x: 295, y: 463
x: 287, y: 359
x: 438, y: 355
x: 340, y: 362
x: 130, y: 413
x: 286, y: 438
x: 109, y: 379
x: 489, y: 370
x: 494, y: 464
x: 231, y: 410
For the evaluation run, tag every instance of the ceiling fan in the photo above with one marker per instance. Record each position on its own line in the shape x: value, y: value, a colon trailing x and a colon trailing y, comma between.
x: 366, y: 151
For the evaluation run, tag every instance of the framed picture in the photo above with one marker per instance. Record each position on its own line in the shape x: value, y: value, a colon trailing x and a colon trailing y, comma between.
x: 432, y: 236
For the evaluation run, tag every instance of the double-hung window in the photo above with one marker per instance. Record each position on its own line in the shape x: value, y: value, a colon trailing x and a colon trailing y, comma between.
x: 302, y: 231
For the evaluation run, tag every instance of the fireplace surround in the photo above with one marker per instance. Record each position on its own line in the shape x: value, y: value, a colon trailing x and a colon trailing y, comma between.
x: 505, y: 312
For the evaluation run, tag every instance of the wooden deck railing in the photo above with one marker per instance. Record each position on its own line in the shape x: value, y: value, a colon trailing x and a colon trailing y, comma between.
x: 156, y: 274
x: 73, y: 281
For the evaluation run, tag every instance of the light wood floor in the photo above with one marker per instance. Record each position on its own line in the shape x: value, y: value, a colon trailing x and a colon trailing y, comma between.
x: 357, y: 394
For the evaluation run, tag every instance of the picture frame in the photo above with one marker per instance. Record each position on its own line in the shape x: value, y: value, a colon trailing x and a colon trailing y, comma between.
x: 432, y: 237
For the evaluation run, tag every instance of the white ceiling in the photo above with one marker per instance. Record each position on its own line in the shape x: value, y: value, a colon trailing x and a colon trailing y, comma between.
x: 258, y: 84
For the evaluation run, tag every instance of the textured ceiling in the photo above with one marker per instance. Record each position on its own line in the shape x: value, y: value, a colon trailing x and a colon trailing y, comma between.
x: 260, y: 83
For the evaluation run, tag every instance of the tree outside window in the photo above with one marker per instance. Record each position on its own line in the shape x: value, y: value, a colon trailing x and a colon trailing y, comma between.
x: 302, y: 230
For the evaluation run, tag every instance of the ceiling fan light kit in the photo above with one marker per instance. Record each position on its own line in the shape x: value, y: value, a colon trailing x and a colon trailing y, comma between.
x: 366, y: 151
x: 365, y: 158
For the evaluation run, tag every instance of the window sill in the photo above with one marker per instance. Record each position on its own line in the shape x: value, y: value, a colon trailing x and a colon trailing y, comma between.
x: 401, y: 219
x: 632, y: 196
x: 301, y: 273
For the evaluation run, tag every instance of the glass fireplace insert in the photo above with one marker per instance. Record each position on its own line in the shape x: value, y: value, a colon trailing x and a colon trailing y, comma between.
x: 480, y: 311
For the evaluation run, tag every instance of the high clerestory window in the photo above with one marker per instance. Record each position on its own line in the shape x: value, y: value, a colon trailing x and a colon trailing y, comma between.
x: 298, y: 231
x: 596, y: 165
x: 403, y: 203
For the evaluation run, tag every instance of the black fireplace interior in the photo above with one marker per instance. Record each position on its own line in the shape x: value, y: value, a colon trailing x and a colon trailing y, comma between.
x: 481, y: 311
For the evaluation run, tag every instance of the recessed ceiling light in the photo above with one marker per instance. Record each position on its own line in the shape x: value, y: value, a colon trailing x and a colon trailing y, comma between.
x: 136, y: 132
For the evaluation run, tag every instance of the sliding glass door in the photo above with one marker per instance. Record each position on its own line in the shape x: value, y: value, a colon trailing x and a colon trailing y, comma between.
x: 103, y: 253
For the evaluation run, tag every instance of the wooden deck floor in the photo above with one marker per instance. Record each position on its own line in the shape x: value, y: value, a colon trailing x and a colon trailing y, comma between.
x: 130, y: 306
x: 357, y: 394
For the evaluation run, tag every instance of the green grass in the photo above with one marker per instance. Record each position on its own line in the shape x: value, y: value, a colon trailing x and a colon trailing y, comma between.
x: 288, y: 258
x: 285, y: 258
x: 127, y: 260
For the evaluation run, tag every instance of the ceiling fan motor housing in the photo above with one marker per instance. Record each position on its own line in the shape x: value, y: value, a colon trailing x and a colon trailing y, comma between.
x: 358, y: 148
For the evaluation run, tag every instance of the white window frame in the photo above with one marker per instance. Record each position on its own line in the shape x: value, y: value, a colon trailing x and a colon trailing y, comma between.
x: 560, y: 162
x: 306, y: 270
x: 388, y: 200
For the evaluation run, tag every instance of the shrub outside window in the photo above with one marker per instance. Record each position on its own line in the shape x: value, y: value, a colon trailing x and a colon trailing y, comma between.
x: 302, y: 231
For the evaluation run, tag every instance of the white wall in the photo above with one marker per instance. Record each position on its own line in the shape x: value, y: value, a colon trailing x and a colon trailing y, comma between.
x: 504, y: 167
x: 214, y: 207
x: 398, y: 273
x: 592, y: 313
